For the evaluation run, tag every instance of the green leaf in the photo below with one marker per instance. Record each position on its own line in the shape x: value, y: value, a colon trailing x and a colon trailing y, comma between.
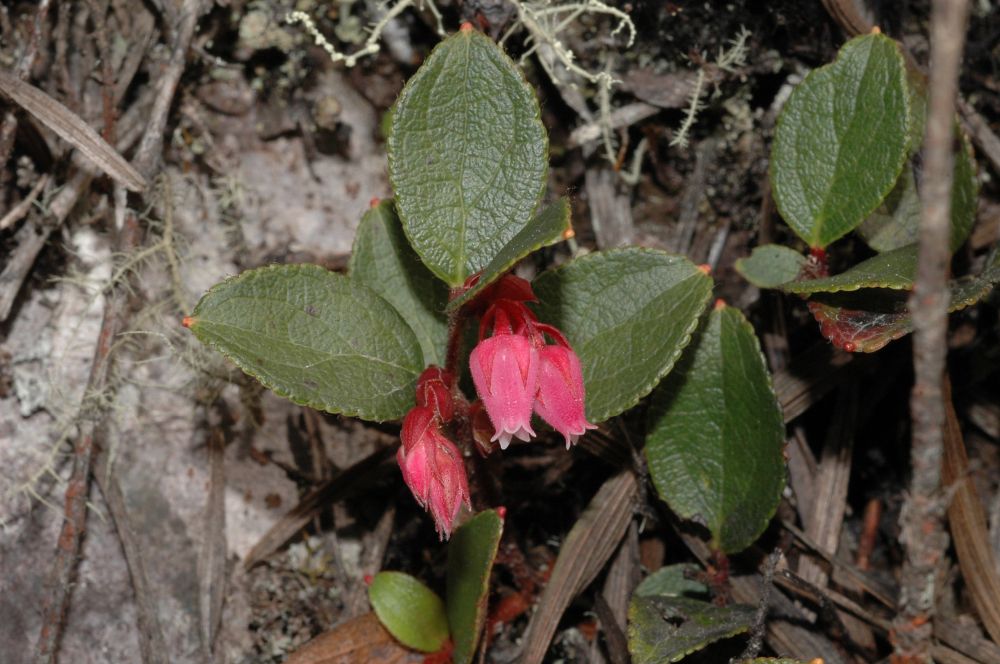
x: 471, y: 553
x: 841, y: 140
x: 672, y: 581
x: 628, y: 314
x: 547, y: 227
x: 895, y: 222
x: 893, y: 270
x: 412, y: 612
x: 468, y: 155
x: 771, y: 266
x: 383, y: 261
x: 716, y: 434
x: 315, y: 337
x: 666, y: 629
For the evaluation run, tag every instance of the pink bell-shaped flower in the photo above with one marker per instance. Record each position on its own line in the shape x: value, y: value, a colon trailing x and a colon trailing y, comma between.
x: 560, y: 392
x: 505, y: 371
x: 433, y: 468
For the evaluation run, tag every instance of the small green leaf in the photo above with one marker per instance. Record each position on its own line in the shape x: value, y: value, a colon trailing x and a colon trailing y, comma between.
x: 771, y: 266
x: 895, y: 222
x: 315, y: 337
x: 841, y: 140
x: 672, y: 581
x: 468, y: 155
x: 383, y: 261
x: 628, y: 313
x: 893, y: 270
x: 547, y: 227
x: 716, y: 434
x: 471, y: 553
x: 412, y: 612
x: 667, y: 629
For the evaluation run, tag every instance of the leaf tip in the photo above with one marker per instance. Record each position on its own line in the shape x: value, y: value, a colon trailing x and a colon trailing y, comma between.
x: 720, y: 304
x: 466, y: 27
x: 875, y: 30
x: 568, y: 234
x: 706, y: 269
x: 188, y: 321
x: 368, y: 578
x: 374, y: 202
x: 502, y: 513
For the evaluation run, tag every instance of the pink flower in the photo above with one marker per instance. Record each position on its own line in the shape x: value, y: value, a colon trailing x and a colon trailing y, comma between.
x: 561, y: 393
x: 505, y: 371
x: 433, y: 468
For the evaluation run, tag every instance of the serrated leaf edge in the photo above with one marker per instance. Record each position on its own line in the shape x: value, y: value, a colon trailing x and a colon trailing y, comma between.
x: 686, y: 338
x: 781, y: 119
x: 404, y: 95
x: 483, y: 283
x: 317, y: 405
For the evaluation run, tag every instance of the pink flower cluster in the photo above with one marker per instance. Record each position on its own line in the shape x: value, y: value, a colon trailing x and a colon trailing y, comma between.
x: 516, y: 372
x: 432, y: 466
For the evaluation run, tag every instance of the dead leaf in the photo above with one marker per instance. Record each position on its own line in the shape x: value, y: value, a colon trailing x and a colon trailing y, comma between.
x: 361, y: 639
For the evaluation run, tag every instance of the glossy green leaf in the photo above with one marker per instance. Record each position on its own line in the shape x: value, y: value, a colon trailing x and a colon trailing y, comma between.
x: 672, y: 581
x: 468, y: 155
x: 841, y: 140
x: 412, y: 612
x: 471, y: 553
x: 628, y: 314
x: 383, y: 260
x: 547, y: 227
x: 667, y: 629
x: 893, y: 270
x: 771, y: 266
x: 895, y: 222
x: 716, y: 434
x: 315, y: 337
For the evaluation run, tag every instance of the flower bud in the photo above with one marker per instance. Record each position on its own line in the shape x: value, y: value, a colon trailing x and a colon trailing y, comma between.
x: 434, y: 391
x: 433, y: 469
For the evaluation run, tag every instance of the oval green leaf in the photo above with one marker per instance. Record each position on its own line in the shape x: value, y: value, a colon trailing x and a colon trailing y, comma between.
x: 771, y: 266
x: 628, y: 313
x: 383, y: 260
x: 547, y: 227
x: 471, y: 553
x: 314, y: 337
x: 468, y: 155
x: 716, y: 434
x: 667, y: 629
x: 412, y: 612
x: 841, y: 140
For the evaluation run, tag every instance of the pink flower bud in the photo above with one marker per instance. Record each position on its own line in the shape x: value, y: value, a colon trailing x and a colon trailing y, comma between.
x: 505, y: 371
x: 434, y: 391
x: 560, y: 392
x: 433, y: 469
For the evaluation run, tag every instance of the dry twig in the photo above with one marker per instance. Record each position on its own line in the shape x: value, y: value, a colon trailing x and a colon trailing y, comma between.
x: 923, y: 535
